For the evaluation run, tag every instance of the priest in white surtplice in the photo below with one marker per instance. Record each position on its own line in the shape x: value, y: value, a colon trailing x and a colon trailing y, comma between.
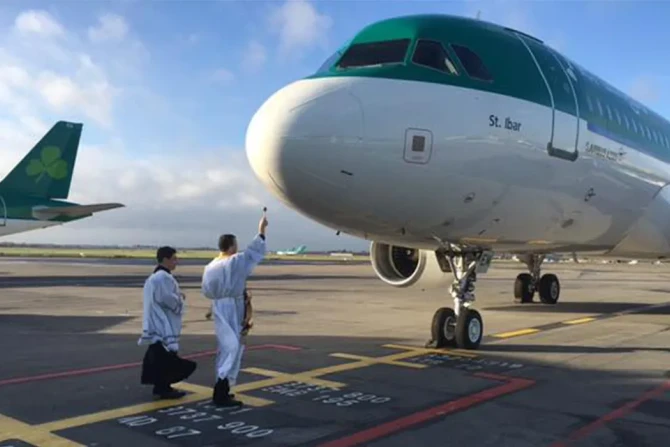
x: 163, y: 306
x: 224, y: 282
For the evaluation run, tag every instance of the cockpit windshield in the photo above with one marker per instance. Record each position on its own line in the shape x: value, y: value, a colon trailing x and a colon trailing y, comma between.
x: 374, y: 54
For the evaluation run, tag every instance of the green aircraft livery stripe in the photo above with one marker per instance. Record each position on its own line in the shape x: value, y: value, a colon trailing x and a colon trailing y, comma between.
x: 505, y: 55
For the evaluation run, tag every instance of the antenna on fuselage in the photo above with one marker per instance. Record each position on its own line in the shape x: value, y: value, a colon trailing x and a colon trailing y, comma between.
x: 479, y: 14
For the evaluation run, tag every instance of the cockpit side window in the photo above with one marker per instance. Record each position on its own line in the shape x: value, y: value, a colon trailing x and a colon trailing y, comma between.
x: 472, y: 63
x: 374, y: 54
x: 431, y: 54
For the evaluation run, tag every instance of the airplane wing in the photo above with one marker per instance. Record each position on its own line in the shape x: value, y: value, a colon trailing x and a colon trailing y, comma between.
x: 45, y: 213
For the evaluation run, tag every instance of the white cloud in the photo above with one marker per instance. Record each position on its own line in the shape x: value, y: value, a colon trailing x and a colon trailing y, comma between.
x: 110, y: 27
x: 223, y: 75
x: 254, y: 56
x: 38, y: 22
x: 184, y: 197
x: 299, y: 26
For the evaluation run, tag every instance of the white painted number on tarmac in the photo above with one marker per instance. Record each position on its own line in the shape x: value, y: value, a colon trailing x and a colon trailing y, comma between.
x: 294, y: 389
x: 189, y: 415
x: 177, y: 432
x: 251, y: 431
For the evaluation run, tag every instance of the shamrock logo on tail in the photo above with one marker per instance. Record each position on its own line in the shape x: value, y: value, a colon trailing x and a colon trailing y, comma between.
x: 49, y: 164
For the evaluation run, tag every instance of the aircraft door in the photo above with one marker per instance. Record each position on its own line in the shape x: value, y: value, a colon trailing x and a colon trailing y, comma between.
x: 418, y: 145
x: 565, y: 105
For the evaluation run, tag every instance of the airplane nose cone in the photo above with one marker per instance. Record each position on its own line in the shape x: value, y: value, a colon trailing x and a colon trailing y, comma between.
x: 301, y: 139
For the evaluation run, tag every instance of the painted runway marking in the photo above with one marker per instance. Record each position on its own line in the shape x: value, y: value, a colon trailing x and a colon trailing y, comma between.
x: 513, y: 385
x: 419, y: 350
x: 12, y: 429
x: 374, y: 361
x: 619, y: 413
x: 580, y: 320
x: 516, y: 333
x: 132, y: 415
x: 492, y: 338
x: 86, y: 371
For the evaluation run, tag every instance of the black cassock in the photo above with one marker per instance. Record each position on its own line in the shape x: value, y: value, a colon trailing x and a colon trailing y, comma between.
x: 162, y: 368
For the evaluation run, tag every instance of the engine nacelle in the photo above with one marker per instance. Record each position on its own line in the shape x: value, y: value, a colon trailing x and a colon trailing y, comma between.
x: 405, y: 267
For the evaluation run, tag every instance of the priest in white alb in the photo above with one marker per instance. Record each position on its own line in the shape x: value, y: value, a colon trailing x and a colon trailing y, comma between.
x: 224, y: 282
x: 163, y: 310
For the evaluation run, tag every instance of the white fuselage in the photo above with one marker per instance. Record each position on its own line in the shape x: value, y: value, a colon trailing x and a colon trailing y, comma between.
x: 339, y: 150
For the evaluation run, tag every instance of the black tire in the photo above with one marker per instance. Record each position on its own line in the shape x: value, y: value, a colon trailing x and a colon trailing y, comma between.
x: 550, y: 289
x: 443, y: 328
x: 469, y: 329
x: 523, y: 289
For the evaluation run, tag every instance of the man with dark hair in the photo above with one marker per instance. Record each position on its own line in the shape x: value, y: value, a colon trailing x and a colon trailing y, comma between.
x: 161, y: 328
x: 224, y: 282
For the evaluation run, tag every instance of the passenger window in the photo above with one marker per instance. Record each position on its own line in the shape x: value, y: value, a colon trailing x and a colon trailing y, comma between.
x: 618, y: 117
x: 589, y: 102
x: 431, y: 54
x: 375, y: 53
x: 472, y: 63
x: 609, y: 111
x: 634, y: 125
x: 600, y: 107
x: 625, y: 118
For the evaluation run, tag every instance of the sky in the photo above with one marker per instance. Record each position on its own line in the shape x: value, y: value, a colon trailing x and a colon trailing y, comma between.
x: 165, y: 90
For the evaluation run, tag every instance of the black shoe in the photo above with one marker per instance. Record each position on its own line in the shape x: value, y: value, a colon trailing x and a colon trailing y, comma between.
x: 228, y: 402
x: 222, y: 396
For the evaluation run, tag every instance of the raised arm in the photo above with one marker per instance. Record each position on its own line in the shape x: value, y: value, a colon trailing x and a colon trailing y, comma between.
x: 255, y: 251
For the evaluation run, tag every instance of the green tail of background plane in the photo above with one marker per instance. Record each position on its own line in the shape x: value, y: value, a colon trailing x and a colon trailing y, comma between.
x: 29, y: 193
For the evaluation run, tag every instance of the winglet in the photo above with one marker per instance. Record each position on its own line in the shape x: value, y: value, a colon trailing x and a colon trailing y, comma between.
x: 46, y: 171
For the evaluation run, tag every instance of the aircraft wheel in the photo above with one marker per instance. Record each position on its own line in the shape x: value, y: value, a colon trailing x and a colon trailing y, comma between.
x: 443, y: 328
x: 469, y: 329
x: 523, y: 288
x: 550, y: 289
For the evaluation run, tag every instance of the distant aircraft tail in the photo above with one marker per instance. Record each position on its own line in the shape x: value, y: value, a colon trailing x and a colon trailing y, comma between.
x: 46, y: 171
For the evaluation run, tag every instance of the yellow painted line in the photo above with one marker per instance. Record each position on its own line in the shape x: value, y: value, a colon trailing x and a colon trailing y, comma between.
x: 207, y: 391
x: 418, y: 351
x: 516, y: 333
x: 200, y: 392
x: 579, y: 320
x: 13, y: 429
x: 121, y: 412
x: 374, y: 361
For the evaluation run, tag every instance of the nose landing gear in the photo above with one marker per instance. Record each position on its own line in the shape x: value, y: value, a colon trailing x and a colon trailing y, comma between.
x: 462, y: 326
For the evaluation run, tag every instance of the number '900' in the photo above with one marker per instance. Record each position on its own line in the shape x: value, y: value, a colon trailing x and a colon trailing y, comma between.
x: 241, y: 428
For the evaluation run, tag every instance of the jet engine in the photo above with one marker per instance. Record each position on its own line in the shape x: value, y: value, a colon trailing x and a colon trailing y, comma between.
x: 405, y: 267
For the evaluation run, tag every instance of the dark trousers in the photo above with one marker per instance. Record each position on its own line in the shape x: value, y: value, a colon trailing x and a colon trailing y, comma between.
x: 161, y: 368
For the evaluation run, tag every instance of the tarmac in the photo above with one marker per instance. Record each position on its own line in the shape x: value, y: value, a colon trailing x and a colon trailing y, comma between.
x: 336, y: 358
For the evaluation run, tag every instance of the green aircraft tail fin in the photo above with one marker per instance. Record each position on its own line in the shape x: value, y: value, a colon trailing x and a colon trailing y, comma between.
x: 46, y: 171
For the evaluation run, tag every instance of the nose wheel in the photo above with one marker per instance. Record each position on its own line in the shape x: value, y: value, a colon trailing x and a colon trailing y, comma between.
x: 461, y: 327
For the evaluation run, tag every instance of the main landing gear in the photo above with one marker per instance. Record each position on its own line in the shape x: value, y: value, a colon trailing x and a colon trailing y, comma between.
x: 462, y: 326
x: 526, y: 284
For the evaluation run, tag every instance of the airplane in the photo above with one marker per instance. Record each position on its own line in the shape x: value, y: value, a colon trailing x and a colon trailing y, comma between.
x: 293, y: 251
x: 29, y: 193
x: 444, y: 139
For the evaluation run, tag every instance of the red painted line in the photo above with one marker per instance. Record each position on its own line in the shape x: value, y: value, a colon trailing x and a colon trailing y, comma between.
x: 85, y: 371
x: 613, y: 415
x: 513, y: 384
